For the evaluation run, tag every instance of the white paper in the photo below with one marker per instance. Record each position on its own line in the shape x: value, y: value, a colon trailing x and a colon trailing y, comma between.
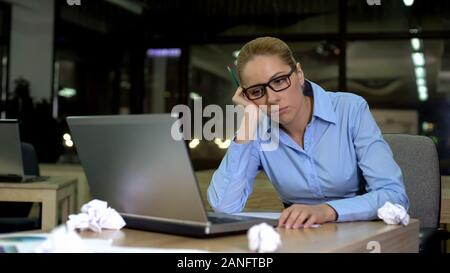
x: 22, y: 242
x: 393, y: 214
x: 63, y: 240
x: 96, y: 215
x: 267, y: 215
x: 263, y: 238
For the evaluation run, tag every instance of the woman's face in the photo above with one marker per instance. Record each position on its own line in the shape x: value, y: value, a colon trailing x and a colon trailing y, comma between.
x: 263, y: 68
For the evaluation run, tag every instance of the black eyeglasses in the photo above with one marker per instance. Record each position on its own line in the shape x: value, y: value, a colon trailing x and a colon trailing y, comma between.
x: 277, y: 84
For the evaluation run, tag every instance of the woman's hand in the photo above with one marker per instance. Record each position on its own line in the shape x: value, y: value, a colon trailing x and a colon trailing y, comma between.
x: 240, y: 99
x: 248, y: 127
x: 306, y: 215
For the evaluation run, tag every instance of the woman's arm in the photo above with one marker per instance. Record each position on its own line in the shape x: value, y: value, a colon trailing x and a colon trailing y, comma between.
x: 232, y: 183
x: 381, y: 172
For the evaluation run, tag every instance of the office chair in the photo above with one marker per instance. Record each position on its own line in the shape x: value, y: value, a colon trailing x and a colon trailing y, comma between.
x: 418, y: 159
x: 14, y: 215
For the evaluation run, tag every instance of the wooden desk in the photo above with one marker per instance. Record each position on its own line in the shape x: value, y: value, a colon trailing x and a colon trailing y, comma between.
x: 445, y: 200
x: 331, y: 237
x: 57, y: 193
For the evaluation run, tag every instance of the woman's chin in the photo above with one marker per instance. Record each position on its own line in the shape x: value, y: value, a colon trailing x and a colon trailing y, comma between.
x: 284, y: 120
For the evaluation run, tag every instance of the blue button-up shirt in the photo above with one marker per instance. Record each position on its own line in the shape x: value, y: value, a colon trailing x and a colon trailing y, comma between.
x: 345, y: 163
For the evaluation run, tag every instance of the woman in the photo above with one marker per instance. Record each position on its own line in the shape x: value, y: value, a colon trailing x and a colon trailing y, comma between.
x: 332, y: 163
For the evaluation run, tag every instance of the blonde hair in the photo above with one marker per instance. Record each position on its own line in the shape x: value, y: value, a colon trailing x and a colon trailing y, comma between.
x: 264, y: 46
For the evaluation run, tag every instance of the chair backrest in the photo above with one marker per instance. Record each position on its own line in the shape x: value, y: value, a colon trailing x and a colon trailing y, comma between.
x: 30, y: 160
x: 30, y: 167
x: 418, y: 159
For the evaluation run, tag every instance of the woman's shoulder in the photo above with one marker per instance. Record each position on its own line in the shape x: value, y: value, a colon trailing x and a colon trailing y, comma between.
x: 346, y: 100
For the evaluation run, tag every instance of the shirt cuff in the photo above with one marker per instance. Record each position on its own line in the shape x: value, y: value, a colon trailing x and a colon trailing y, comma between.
x: 347, y: 210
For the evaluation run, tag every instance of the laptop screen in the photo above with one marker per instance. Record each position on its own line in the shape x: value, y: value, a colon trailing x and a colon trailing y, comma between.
x: 134, y: 164
x: 10, y: 149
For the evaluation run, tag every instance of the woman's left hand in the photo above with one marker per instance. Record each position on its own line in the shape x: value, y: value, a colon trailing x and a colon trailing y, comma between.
x: 298, y: 215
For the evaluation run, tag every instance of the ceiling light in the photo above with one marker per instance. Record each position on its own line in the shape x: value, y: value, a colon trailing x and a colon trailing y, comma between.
x: 418, y: 59
x: 408, y: 3
x: 415, y: 44
x: 420, y: 72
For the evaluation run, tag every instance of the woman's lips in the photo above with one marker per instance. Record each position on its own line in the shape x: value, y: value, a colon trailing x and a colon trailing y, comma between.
x: 275, y: 111
x: 278, y: 113
x: 282, y: 110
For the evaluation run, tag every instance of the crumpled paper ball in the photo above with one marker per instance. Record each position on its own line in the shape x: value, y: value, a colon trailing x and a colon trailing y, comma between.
x: 62, y: 240
x: 96, y: 215
x: 393, y: 214
x: 263, y: 238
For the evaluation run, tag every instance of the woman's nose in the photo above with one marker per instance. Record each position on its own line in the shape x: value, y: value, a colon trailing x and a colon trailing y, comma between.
x: 272, y: 96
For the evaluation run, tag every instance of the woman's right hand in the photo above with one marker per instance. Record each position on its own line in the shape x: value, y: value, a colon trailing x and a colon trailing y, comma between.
x: 249, y: 123
x: 240, y: 99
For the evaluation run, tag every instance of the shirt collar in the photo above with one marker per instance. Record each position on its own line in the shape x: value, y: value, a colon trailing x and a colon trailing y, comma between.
x: 323, y: 108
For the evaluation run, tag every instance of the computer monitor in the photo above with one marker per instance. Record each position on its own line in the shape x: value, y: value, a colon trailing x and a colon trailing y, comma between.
x: 11, y: 164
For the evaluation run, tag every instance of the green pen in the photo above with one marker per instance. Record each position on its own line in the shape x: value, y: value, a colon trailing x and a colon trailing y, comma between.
x: 233, y: 76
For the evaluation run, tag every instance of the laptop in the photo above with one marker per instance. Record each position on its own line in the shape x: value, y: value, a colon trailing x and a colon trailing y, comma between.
x: 11, y: 163
x: 134, y: 164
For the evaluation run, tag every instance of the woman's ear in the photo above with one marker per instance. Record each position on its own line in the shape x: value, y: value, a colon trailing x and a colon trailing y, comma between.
x: 300, y: 74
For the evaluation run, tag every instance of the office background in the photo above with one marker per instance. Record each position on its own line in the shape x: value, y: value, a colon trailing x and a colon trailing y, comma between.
x: 96, y: 57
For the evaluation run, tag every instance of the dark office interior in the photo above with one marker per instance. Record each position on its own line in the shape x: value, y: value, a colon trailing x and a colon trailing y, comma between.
x: 101, y: 61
